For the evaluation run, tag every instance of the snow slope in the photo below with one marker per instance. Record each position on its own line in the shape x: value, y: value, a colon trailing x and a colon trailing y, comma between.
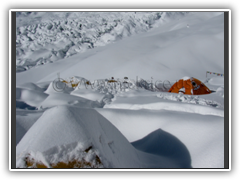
x: 130, y: 123
x: 163, y: 53
x: 44, y: 37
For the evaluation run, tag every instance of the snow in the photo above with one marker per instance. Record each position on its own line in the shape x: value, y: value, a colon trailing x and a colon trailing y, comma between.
x: 90, y: 129
x: 130, y: 123
x: 185, y: 78
x: 31, y: 97
x: 195, y: 49
x: 216, y: 81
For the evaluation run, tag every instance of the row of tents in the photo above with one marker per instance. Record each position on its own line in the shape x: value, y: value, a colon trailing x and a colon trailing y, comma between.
x: 186, y: 85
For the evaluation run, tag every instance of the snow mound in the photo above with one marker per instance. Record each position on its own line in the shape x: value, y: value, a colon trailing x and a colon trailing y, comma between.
x: 81, y: 128
x: 203, y: 135
x: 30, y: 97
x: 88, y: 94
x: 164, y: 144
x: 56, y: 99
x: 24, y: 120
x: 31, y: 86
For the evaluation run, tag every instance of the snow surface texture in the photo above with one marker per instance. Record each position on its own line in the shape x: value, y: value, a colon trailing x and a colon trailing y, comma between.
x: 113, y: 97
x: 43, y: 37
x: 173, y: 49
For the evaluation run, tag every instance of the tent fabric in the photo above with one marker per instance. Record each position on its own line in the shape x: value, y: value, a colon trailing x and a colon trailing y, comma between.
x: 191, y: 86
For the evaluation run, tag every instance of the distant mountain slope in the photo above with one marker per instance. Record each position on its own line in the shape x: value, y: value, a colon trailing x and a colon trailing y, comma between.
x: 44, y: 37
x: 189, y: 46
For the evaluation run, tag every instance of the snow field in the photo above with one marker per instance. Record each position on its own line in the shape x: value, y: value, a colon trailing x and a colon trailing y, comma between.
x: 126, y: 127
x: 136, y: 113
x: 173, y: 54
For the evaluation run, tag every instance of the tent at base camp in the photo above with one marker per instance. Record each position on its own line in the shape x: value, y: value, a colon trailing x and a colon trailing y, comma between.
x: 191, y: 86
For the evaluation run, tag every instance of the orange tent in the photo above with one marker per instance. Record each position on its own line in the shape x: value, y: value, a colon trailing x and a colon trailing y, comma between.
x: 190, y: 86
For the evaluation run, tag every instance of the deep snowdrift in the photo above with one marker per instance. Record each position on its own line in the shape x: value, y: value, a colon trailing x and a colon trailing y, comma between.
x: 131, y: 123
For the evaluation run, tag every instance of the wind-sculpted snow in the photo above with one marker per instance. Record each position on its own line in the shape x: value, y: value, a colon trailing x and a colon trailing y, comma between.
x: 52, y: 140
x: 87, y: 108
x: 42, y: 40
x: 125, y: 107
